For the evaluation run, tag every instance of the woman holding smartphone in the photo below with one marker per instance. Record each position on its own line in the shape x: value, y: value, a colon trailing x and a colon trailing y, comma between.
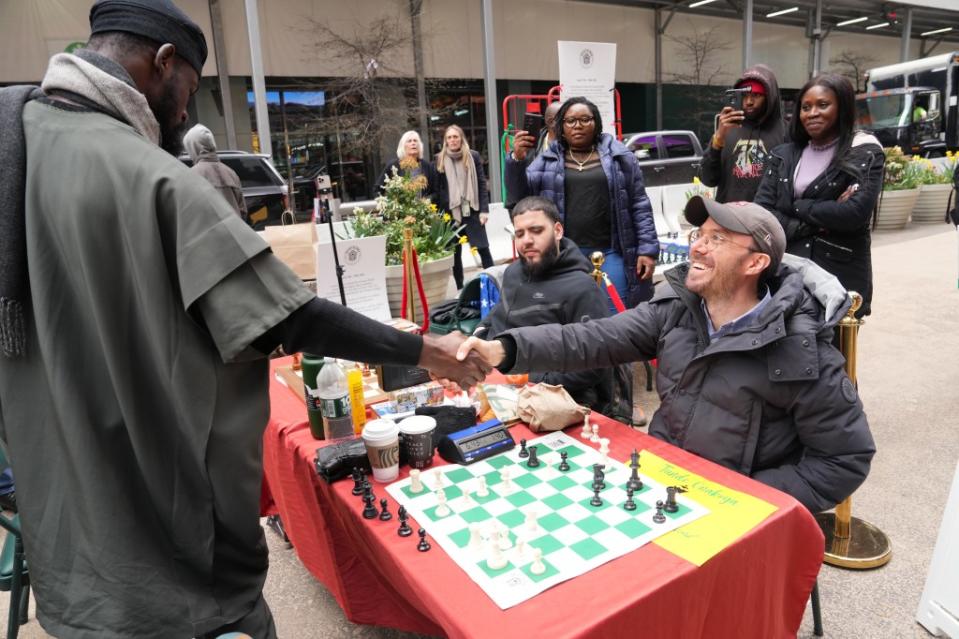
x: 463, y: 192
x: 823, y: 186
x: 597, y: 185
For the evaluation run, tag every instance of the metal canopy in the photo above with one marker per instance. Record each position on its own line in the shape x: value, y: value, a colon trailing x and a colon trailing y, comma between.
x: 923, y: 19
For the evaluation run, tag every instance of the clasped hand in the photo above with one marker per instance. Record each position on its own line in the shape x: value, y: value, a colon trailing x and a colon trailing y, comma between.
x: 454, y: 358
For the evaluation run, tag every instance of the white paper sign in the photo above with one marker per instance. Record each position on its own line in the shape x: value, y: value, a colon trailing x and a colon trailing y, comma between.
x: 588, y: 69
x: 364, y: 274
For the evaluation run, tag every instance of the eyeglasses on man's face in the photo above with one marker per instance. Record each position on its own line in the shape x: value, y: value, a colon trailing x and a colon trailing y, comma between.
x: 713, y: 240
x: 586, y: 120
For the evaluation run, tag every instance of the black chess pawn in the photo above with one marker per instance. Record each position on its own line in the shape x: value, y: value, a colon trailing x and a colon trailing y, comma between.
x: 630, y: 504
x: 671, y: 506
x: 404, y: 530
x: 385, y: 514
x: 357, y: 481
x: 368, y: 489
x: 522, y: 449
x: 596, y: 501
x: 424, y: 545
x: 369, y: 512
x: 533, y: 461
x: 563, y: 464
x: 659, y: 517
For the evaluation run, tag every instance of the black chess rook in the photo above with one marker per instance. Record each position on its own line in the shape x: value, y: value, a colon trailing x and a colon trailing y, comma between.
x: 563, y: 464
x: 533, y: 461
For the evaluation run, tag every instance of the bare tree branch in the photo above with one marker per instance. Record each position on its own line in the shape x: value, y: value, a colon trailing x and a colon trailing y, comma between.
x: 853, y: 65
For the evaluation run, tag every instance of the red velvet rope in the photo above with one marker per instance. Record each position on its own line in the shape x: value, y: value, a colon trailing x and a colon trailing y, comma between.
x: 613, y: 295
x: 419, y: 286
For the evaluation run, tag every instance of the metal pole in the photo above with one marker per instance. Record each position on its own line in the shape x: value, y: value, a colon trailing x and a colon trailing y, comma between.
x: 492, y: 119
x: 906, y: 34
x: 259, y: 84
x: 817, y: 39
x: 219, y: 48
x: 659, y: 69
x: 416, y: 8
x: 852, y: 542
x: 747, y: 34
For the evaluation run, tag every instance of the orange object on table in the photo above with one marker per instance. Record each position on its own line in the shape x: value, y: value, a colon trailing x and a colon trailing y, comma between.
x: 518, y: 380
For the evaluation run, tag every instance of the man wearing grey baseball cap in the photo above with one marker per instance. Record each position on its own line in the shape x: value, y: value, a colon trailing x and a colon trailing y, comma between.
x: 747, y: 374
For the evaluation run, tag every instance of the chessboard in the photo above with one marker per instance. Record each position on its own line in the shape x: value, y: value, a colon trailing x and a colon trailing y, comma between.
x: 540, y: 526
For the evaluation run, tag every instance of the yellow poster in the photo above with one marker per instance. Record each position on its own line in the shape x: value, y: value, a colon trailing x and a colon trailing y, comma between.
x: 732, y: 513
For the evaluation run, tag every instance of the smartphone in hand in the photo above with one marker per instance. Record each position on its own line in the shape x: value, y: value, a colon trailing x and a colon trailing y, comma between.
x: 734, y: 98
x: 533, y: 124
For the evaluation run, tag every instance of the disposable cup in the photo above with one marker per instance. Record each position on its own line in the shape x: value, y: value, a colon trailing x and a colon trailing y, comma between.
x: 416, y: 440
x: 381, y: 437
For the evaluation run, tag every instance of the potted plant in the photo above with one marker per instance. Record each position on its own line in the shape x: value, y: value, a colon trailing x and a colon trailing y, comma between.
x: 900, y: 189
x: 402, y: 207
x: 934, y: 190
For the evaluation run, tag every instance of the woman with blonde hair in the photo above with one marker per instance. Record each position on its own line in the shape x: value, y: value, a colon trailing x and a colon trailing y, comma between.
x: 462, y: 191
x: 411, y: 148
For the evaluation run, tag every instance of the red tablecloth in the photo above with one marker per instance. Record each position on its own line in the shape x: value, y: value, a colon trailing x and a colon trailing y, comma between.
x: 758, y: 587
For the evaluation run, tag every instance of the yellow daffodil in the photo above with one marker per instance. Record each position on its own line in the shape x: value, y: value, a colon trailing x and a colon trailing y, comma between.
x: 446, y: 216
x: 696, y: 181
x: 463, y: 240
x: 433, y: 208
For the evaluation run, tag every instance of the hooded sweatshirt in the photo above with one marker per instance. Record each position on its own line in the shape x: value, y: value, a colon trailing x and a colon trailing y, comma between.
x: 737, y: 168
x: 201, y: 146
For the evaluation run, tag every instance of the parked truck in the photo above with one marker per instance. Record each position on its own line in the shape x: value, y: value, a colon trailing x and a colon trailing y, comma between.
x: 913, y: 105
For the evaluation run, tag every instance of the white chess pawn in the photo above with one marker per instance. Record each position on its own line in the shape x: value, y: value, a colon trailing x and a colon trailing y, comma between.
x: 481, y: 489
x: 595, y: 436
x: 416, y: 484
x: 495, y: 558
x: 467, y: 497
x: 442, y: 510
x: 504, y: 475
x: 537, y: 567
x: 521, y: 549
x: 604, y: 451
x: 437, y: 479
x: 505, y: 543
x: 587, y: 433
x: 476, y: 539
x: 532, y: 523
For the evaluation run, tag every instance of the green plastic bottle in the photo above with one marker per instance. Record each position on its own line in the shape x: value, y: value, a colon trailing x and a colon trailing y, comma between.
x: 311, y: 366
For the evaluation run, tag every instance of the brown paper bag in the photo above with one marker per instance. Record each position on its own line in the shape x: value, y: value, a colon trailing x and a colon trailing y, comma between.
x: 293, y: 244
x: 546, y: 407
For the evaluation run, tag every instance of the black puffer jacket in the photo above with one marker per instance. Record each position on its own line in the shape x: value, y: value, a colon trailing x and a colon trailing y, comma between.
x: 835, y: 235
x: 771, y: 401
x: 566, y: 294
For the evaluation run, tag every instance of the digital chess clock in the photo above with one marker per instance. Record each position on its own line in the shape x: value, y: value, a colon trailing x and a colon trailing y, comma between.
x: 476, y: 442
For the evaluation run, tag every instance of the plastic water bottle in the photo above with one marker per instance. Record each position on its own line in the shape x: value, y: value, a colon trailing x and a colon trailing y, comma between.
x: 334, y: 395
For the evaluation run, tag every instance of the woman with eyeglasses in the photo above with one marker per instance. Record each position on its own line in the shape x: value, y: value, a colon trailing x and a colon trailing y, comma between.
x: 823, y: 186
x: 463, y: 192
x: 597, y: 185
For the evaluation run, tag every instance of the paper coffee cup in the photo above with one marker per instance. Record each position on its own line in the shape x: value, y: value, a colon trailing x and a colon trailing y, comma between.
x: 381, y: 437
x: 416, y: 440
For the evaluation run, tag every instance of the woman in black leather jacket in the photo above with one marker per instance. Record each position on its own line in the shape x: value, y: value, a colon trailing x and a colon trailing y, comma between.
x: 823, y: 186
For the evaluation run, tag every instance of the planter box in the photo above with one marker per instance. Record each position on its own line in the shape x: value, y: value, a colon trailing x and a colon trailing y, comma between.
x: 930, y: 208
x: 895, y: 208
x: 436, y: 276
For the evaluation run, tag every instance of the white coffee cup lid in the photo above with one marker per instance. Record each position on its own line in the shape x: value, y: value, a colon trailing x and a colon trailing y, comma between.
x: 417, y: 424
x: 380, y: 429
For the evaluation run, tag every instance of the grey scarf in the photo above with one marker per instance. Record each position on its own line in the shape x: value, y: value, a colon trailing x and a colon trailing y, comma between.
x: 93, y: 81
x: 461, y: 177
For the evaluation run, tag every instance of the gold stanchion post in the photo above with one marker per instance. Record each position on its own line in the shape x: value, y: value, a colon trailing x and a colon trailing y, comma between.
x: 408, y: 275
x: 850, y: 541
x: 597, y: 258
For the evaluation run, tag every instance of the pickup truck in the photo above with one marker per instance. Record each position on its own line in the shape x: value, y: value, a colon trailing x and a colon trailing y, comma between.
x: 666, y: 157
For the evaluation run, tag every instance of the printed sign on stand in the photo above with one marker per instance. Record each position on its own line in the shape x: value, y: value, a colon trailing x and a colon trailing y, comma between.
x: 364, y: 273
x: 588, y: 69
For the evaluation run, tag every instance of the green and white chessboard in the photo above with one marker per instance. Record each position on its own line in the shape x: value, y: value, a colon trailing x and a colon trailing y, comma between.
x: 573, y: 535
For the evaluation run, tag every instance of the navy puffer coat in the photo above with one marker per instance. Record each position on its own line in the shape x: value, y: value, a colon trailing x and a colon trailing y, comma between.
x: 633, y: 231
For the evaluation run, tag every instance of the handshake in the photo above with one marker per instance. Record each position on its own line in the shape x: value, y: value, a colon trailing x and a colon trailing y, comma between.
x: 456, y: 358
